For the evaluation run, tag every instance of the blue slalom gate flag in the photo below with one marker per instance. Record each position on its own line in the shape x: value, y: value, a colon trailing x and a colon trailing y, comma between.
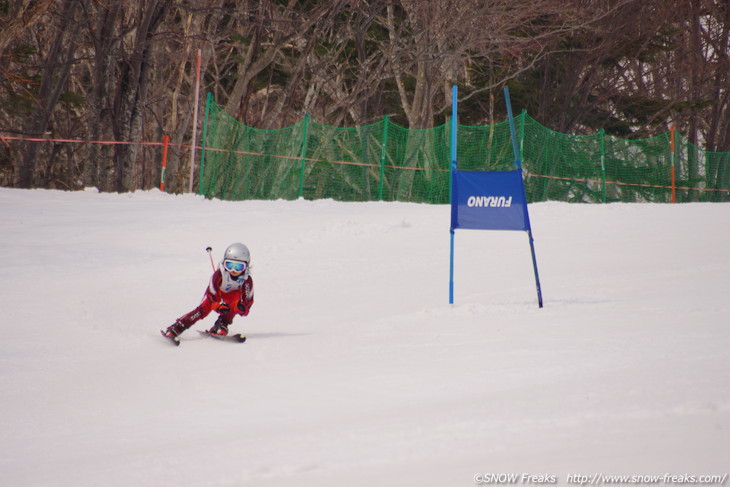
x: 489, y: 200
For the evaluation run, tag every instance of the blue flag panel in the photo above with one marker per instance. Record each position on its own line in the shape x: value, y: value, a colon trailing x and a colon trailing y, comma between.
x: 489, y: 200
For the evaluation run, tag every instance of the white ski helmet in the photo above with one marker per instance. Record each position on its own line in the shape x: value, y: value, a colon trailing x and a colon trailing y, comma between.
x: 236, y: 253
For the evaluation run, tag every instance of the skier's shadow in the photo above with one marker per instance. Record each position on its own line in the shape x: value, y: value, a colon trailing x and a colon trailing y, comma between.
x: 253, y: 335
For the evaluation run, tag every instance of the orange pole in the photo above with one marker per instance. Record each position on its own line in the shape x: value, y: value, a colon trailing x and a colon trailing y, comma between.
x: 165, y: 144
x: 672, y: 131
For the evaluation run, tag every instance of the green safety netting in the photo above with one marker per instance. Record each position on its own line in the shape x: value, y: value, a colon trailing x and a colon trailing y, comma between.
x: 385, y: 161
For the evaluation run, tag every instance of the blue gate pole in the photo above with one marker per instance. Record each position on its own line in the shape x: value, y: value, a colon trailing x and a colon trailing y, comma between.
x: 518, y: 163
x: 454, y: 92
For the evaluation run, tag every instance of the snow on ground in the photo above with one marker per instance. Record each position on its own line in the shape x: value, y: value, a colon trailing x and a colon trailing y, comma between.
x: 357, y: 371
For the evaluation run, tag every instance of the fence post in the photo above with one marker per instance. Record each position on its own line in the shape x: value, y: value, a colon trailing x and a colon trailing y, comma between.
x: 522, y: 133
x: 672, y: 156
x: 602, y: 145
x: 165, y: 145
x: 300, y: 192
x: 383, y: 153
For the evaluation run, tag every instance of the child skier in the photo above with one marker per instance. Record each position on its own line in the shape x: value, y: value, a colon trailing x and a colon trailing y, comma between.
x: 230, y: 292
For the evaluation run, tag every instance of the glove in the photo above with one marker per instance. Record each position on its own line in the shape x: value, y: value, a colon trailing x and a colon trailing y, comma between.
x: 223, y: 308
x: 242, y: 308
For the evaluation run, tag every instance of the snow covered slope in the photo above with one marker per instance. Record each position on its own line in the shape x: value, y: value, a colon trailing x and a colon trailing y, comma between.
x: 357, y: 371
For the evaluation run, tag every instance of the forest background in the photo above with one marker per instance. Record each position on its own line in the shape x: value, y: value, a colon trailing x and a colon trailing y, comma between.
x: 124, y: 71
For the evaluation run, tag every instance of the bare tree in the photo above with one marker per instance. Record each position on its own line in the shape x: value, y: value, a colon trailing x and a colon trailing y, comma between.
x: 434, y: 45
x: 338, y: 69
x: 124, y: 72
x: 21, y: 15
x: 54, y: 74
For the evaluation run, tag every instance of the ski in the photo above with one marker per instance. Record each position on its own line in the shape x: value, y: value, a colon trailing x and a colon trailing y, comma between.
x: 237, y: 338
x: 174, y: 340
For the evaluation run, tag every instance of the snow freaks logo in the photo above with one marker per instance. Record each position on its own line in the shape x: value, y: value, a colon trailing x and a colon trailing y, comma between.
x: 489, y: 201
x: 514, y: 478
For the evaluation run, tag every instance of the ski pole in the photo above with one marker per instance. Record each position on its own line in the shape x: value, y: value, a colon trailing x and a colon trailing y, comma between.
x: 209, y: 250
x: 216, y: 306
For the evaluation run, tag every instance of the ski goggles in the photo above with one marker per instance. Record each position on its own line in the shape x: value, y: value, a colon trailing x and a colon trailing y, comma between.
x: 235, y: 265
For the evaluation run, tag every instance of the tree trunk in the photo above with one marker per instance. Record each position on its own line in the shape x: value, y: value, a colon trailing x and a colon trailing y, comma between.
x: 131, y: 96
x: 54, y: 78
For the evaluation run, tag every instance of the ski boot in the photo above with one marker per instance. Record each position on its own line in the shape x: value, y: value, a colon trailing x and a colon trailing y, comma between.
x: 173, y: 331
x: 220, y: 327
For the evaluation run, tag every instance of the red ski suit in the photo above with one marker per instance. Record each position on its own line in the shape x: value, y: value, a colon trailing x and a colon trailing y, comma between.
x: 236, y: 293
